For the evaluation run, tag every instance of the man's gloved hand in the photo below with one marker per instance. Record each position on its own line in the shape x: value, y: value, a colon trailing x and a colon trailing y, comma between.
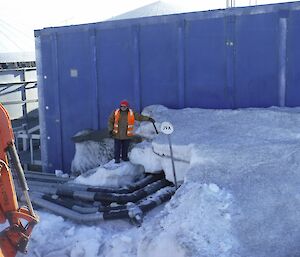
x: 111, y: 133
x: 151, y: 120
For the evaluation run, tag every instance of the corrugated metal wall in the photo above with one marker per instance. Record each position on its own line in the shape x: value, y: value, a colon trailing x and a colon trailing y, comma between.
x: 243, y: 57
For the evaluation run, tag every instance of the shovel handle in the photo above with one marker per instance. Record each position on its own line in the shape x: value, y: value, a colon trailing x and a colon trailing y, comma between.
x: 155, y: 127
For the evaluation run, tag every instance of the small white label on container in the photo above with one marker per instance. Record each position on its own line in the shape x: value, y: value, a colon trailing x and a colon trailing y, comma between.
x: 74, y: 73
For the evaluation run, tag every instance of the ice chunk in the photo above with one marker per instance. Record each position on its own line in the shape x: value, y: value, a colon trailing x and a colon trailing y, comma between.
x: 214, y: 188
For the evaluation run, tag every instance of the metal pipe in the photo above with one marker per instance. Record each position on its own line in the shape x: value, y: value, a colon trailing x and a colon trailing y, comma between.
x: 172, y: 159
x: 20, y: 102
x: 65, y: 212
x: 132, y: 211
x: 60, y: 183
x: 16, y: 164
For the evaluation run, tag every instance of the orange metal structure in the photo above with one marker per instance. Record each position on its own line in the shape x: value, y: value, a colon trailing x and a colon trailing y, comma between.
x: 21, y: 219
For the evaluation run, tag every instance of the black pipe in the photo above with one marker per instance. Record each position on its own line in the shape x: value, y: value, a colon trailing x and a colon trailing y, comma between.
x: 65, y: 212
x: 132, y: 197
x: 69, y: 202
x: 130, y: 188
x: 71, y: 205
x: 80, y: 205
x: 145, y: 204
x: 106, y: 197
x: 59, y: 183
x: 134, y: 212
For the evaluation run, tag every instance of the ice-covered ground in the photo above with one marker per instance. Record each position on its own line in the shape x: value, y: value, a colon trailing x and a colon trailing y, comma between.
x: 240, y: 196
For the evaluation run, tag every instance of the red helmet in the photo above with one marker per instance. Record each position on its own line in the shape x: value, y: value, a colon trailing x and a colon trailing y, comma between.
x: 124, y: 103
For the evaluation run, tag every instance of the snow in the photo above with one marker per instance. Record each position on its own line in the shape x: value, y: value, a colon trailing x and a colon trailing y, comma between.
x: 185, y: 227
x: 152, y: 162
x: 112, y: 174
x: 239, y: 196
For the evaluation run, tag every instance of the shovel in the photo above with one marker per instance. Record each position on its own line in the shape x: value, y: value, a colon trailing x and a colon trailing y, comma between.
x: 155, y: 127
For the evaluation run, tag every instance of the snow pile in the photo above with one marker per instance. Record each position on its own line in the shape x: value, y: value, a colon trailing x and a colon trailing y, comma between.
x: 152, y: 162
x: 197, y: 222
x: 54, y: 237
x: 240, y: 171
x: 112, y: 174
x: 254, y: 154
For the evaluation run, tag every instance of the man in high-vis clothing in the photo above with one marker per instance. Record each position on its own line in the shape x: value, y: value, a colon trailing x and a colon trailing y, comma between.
x: 120, y: 127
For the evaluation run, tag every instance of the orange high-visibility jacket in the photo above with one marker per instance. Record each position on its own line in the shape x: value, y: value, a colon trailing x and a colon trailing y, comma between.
x: 130, y: 121
x: 119, y: 118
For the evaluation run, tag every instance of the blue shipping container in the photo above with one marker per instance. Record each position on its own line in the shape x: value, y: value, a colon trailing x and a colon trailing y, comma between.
x: 233, y: 58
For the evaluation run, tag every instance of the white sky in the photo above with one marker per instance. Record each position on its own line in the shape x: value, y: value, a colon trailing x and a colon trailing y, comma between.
x: 23, y: 17
x: 37, y: 14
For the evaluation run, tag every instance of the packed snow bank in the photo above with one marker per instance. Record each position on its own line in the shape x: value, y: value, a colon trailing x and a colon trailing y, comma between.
x: 239, y: 198
x: 255, y: 155
x: 197, y: 222
x: 112, y: 174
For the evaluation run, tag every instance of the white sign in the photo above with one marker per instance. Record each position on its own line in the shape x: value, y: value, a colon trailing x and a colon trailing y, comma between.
x: 167, y: 128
